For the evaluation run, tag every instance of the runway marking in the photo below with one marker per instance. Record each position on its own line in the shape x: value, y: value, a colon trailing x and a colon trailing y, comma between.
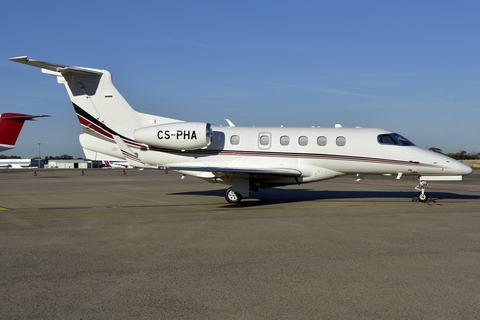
x: 3, y: 209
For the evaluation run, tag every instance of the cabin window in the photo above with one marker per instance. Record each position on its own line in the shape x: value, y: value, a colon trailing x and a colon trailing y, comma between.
x: 234, y: 140
x: 284, y: 140
x: 341, y: 141
x: 322, y: 141
x: 264, y: 140
x: 303, y: 140
x: 394, y: 139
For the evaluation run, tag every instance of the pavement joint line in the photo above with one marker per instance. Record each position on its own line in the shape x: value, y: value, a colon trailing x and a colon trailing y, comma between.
x: 193, y: 210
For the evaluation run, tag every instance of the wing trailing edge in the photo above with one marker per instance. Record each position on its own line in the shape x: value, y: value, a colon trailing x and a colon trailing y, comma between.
x: 287, y: 172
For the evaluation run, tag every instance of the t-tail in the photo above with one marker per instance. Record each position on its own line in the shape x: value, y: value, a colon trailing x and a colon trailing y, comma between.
x: 101, y: 110
x: 10, y: 126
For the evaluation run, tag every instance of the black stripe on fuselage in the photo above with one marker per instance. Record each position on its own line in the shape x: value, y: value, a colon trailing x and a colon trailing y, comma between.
x: 82, y: 113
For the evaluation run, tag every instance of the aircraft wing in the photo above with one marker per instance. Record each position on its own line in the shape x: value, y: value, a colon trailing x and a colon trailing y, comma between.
x: 131, y: 157
x: 287, y: 172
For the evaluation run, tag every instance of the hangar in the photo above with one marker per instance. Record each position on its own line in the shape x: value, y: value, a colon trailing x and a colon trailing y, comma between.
x: 70, y: 164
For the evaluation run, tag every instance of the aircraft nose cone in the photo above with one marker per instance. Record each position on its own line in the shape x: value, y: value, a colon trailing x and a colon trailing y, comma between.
x: 466, y: 169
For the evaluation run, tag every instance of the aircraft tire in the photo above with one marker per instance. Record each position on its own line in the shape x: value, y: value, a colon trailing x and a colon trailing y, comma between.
x: 232, y: 196
x: 422, y: 197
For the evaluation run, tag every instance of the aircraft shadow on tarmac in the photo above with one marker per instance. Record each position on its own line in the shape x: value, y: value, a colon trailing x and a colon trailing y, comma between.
x: 270, y: 196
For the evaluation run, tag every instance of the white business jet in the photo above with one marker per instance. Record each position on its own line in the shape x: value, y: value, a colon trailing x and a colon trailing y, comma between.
x: 246, y: 158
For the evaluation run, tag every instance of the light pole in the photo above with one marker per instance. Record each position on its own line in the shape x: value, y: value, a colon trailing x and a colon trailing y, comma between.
x: 39, y: 156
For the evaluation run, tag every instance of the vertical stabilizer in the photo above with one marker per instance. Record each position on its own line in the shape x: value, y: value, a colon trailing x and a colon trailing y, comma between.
x: 101, y: 109
x: 10, y: 126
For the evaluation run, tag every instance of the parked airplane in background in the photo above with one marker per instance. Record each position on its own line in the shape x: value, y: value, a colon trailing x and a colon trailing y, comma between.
x: 10, y: 126
x: 115, y: 164
x: 247, y: 158
x: 15, y: 163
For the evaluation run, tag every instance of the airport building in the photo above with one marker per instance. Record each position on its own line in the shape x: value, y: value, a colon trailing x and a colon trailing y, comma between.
x: 53, y: 164
x: 69, y: 164
x: 16, y: 163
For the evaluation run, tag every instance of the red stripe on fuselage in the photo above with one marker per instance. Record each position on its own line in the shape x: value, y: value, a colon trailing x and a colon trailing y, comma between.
x: 92, y: 126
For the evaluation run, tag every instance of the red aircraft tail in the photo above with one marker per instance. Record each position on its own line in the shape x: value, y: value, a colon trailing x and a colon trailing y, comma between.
x: 10, y: 126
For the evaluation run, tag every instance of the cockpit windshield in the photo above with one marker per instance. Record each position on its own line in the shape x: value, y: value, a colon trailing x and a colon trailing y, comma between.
x: 394, y: 139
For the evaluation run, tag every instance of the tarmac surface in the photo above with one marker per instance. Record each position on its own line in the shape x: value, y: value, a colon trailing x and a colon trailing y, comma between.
x: 146, y: 244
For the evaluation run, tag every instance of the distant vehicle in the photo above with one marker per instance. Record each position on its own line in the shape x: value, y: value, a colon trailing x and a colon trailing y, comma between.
x: 10, y: 126
x: 247, y: 158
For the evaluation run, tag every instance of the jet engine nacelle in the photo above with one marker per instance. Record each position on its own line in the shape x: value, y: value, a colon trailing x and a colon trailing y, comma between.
x: 178, y: 135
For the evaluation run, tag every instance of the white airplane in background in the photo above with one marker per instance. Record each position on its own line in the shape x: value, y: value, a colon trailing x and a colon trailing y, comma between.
x: 247, y: 158
x: 115, y: 164
x: 10, y: 126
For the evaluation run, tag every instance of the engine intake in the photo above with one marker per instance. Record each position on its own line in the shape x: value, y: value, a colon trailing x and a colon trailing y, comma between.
x: 178, y: 135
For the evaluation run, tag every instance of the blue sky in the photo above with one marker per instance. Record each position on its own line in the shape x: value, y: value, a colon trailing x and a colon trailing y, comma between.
x: 409, y: 66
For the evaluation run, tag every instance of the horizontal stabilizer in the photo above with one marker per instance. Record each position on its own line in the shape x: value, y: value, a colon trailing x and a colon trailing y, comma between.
x: 54, y: 66
x: 22, y: 117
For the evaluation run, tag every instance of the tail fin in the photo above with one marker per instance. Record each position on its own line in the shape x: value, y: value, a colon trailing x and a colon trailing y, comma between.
x: 10, y: 126
x: 106, y: 164
x: 100, y: 108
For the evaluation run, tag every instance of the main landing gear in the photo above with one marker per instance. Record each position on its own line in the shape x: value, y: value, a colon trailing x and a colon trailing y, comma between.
x: 422, y: 195
x: 232, y: 196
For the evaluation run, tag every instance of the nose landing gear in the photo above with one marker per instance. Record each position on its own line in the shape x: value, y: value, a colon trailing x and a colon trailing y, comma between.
x: 422, y: 195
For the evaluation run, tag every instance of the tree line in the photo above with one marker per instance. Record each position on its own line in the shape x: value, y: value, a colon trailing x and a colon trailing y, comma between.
x: 463, y: 155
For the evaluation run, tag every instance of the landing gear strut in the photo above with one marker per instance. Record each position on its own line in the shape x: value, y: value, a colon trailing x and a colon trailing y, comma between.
x: 422, y: 195
x: 232, y: 196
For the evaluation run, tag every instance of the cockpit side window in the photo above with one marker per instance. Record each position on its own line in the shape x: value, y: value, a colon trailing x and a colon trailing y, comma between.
x: 394, y: 139
x: 385, y: 139
x: 402, y: 140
